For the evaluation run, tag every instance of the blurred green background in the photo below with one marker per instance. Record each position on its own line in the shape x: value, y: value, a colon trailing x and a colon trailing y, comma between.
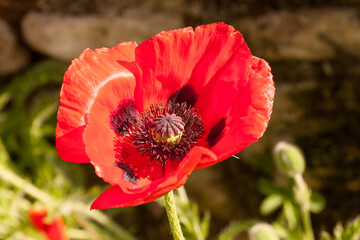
x: 312, y: 46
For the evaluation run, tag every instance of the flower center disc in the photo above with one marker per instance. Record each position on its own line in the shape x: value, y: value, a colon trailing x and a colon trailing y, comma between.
x: 168, y: 129
x: 167, y: 132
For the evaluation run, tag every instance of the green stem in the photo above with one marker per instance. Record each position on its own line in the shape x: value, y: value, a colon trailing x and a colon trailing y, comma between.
x: 172, y: 216
x: 195, y: 220
x: 306, y: 219
x: 303, y: 194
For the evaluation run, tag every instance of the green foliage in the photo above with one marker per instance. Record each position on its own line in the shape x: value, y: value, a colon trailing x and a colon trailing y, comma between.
x: 31, y: 173
x: 235, y: 228
x: 194, y: 227
x: 30, y: 122
x: 295, y: 201
x: 350, y: 232
x: 263, y: 231
x: 270, y: 204
x: 317, y: 202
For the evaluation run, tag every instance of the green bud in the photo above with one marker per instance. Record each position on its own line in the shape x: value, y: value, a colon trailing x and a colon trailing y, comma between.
x: 289, y: 159
x: 262, y: 231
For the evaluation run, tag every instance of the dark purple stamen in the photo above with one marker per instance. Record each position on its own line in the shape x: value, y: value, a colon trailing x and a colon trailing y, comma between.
x: 172, y: 119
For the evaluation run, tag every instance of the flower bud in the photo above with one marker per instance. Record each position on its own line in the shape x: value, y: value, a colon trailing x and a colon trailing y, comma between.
x: 262, y: 231
x: 289, y: 159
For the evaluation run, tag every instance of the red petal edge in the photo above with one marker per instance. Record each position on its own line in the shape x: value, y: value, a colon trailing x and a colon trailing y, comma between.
x: 118, y: 196
x: 249, y: 116
x: 85, y: 76
x: 226, y: 73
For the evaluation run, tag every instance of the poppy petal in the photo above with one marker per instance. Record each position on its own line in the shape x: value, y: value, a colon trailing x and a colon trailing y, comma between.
x: 98, y: 135
x: 248, y: 117
x: 114, y: 157
x: 85, y: 76
x: 37, y: 217
x: 55, y: 230
x: 70, y: 146
x: 224, y: 87
x: 163, y: 60
x: 181, y: 62
x: 118, y: 196
x: 137, y: 166
x: 215, y: 45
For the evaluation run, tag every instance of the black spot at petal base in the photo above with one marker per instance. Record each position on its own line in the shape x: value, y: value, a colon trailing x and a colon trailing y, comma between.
x: 123, y: 117
x: 186, y: 94
x: 128, y: 172
x: 216, y: 132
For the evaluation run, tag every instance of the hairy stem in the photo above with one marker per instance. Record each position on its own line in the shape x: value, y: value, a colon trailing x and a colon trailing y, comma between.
x: 172, y: 216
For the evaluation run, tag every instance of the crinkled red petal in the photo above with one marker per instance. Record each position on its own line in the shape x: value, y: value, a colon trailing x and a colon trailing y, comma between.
x: 225, y: 85
x: 142, y: 167
x: 85, y: 76
x: 98, y: 136
x: 55, y: 230
x: 105, y: 148
x: 120, y: 196
x: 70, y: 146
x: 249, y: 114
x: 164, y: 62
x: 216, y: 44
x: 173, y: 59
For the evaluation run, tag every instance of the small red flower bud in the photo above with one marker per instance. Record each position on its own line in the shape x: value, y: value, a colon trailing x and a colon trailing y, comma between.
x: 54, y: 230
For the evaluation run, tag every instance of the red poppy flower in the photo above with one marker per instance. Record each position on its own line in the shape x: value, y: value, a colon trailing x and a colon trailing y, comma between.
x: 55, y: 230
x: 146, y: 116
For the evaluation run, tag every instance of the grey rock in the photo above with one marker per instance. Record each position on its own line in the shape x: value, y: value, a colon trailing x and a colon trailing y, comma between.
x: 12, y: 56
x: 65, y: 37
x: 307, y: 34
